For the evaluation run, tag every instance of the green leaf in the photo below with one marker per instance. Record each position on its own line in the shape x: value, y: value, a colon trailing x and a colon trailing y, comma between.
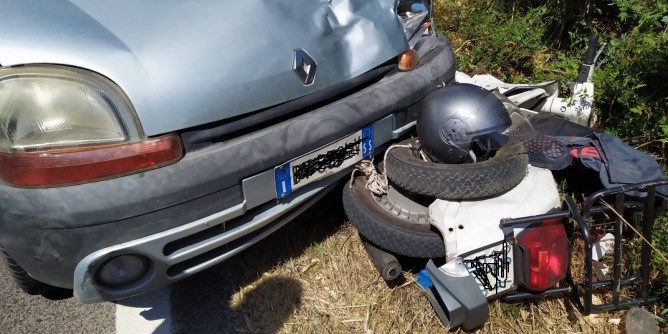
x: 664, y: 131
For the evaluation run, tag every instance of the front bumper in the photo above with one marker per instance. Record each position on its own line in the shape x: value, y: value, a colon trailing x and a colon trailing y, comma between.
x: 180, y: 252
x: 215, y: 202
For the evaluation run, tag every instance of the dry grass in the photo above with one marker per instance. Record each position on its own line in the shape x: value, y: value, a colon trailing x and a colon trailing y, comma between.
x: 325, y: 283
x: 341, y: 292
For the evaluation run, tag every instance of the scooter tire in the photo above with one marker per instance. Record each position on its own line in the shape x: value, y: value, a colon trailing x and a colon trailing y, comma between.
x: 484, y: 179
x: 394, y: 234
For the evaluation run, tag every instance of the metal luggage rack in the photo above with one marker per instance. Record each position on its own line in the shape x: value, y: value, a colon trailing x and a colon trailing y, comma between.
x: 644, y: 211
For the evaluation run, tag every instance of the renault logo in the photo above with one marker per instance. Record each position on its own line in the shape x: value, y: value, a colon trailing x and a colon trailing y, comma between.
x: 304, y: 66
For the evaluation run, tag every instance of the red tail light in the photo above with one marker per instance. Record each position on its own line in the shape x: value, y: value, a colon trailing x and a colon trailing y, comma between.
x: 57, y: 168
x: 545, y: 253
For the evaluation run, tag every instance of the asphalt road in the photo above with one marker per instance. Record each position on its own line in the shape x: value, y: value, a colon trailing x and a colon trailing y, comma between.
x: 22, y: 313
x: 199, y: 304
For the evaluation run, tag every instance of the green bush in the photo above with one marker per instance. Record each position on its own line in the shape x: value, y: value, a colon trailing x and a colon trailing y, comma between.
x: 524, y: 40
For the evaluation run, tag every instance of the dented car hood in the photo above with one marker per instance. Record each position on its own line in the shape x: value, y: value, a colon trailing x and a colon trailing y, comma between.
x: 187, y: 63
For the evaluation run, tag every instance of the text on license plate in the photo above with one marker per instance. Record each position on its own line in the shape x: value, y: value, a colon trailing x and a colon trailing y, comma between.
x: 323, y: 162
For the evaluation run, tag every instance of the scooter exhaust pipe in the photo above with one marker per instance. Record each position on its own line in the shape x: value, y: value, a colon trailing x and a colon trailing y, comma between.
x: 387, y: 264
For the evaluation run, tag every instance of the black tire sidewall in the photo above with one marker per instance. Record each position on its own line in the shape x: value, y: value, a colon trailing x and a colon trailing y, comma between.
x: 387, y: 231
x: 28, y: 284
x: 458, y: 181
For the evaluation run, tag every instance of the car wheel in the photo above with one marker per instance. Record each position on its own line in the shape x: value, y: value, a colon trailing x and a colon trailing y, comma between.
x: 376, y: 219
x: 28, y: 284
x: 491, y: 177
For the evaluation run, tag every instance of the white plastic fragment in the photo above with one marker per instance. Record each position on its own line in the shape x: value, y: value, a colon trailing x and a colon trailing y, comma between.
x: 600, y: 269
x: 602, y: 246
x: 462, y: 77
x: 538, y: 97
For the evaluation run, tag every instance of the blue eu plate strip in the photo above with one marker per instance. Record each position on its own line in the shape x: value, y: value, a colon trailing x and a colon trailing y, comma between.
x: 367, y: 143
x: 283, y: 184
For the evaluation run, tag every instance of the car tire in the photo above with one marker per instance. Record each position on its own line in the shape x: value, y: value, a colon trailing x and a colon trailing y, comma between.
x: 386, y: 230
x: 491, y: 177
x: 28, y: 284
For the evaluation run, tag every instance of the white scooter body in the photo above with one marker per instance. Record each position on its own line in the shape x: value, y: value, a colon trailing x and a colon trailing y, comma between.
x: 471, y: 229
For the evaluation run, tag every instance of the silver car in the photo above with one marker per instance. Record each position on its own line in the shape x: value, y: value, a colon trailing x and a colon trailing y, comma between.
x: 144, y: 141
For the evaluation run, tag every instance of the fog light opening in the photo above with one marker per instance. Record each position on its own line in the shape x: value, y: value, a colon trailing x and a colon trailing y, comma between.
x: 122, y: 270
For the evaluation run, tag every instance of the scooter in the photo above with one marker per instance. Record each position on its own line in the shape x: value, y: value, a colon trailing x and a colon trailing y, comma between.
x: 520, y: 245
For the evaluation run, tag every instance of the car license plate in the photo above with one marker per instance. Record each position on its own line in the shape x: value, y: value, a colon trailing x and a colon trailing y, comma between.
x: 323, y: 162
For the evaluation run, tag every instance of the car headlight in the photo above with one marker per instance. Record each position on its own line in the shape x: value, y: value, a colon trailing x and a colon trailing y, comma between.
x: 62, y: 125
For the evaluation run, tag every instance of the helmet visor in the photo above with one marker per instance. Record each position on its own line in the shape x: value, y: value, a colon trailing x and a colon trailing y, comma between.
x: 518, y: 132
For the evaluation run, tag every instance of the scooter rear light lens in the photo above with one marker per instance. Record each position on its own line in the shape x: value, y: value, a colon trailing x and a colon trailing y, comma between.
x: 539, y: 267
x: 78, y: 165
x: 546, y: 254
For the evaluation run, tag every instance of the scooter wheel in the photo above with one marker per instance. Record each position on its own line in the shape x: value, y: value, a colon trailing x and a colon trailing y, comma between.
x: 392, y: 233
x: 491, y: 177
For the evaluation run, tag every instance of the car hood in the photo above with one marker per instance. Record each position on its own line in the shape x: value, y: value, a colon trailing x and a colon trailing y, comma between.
x: 187, y: 63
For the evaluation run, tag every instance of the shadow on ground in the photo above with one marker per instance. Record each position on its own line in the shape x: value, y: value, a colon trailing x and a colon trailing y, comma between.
x: 265, y: 306
x: 204, y: 302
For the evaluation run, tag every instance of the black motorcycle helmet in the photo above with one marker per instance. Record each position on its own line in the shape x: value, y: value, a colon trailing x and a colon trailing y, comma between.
x: 466, y: 123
